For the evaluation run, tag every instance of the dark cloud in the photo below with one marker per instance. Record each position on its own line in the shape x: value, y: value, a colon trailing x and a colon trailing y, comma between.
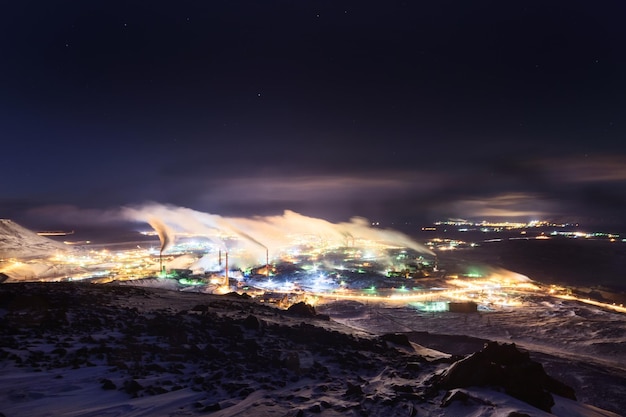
x: 68, y: 215
x: 396, y: 111
x: 598, y: 168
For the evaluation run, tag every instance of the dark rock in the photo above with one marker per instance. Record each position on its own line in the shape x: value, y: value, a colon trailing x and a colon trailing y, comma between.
x: 200, y: 308
x: 559, y: 388
x: 292, y: 361
x: 507, y: 367
x: 403, y: 388
x: 353, y: 390
x: 234, y: 294
x: 132, y: 387
x: 321, y: 388
x: 251, y: 323
x: 107, y: 384
x: 413, y: 366
x: 315, y: 408
x: 229, y: 330
x: 212, y: 407
x: 397, y: 338
x: 302, y: 309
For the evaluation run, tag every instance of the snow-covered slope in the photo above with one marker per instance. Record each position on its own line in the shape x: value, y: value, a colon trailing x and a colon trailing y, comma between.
x: 18, y: 242
x: 76, y: 349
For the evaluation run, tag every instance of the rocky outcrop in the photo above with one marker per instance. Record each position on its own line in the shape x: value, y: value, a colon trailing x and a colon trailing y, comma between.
x: 302, y: 309
x: 231, y: 350
x: 504, y: 366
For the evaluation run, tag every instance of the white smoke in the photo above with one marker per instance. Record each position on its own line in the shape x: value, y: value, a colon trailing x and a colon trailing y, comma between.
x: 263, y: 231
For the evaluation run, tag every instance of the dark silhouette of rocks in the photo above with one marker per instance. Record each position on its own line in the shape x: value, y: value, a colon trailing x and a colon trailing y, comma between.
x: 503, y: 365
x: 397, y: 338
x: 252, y: 323
x: 302, y: 309
x: 228, y: 347
x: 107, y: 384
x: 234, y: 294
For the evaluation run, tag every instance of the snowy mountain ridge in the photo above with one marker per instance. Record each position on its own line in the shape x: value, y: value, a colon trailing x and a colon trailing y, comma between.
x: 18, y: 242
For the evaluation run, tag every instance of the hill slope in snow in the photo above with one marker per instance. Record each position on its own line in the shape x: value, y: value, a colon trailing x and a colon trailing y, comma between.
x: 19, y: 242
x: 76, y: 349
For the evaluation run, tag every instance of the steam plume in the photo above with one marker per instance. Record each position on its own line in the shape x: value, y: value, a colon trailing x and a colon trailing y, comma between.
x: 273, y: 231
x: 166, y: 235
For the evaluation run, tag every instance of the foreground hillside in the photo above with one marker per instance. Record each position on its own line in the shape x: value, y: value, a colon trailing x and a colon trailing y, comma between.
x: 89, y: 350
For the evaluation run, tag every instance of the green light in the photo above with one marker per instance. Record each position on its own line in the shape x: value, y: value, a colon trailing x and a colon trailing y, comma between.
x: 474, y: 273
x: 432, y: 306
x: 371, y: 290
x: 186, y: 281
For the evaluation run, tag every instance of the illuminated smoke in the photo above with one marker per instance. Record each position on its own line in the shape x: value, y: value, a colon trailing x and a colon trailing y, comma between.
x: 166, y: 235
x: 246, y: 236
x: 274, y: 231
x: 180, y: 219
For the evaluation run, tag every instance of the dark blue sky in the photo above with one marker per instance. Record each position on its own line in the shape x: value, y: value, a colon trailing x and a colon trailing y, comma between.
x: 391, y: 110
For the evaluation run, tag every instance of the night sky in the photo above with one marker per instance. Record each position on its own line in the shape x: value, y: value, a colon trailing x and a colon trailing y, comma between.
x: 398, y: 111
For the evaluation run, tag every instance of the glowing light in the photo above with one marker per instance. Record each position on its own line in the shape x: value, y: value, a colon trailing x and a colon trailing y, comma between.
x: 192, y: 282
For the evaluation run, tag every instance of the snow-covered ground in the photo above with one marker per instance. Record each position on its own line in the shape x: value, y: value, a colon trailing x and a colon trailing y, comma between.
x: 582, y: 345
x: 72, y: 349
x: 18, y: 242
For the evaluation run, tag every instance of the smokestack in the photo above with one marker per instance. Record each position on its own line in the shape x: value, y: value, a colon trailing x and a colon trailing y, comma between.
x: 226, y: 270
x: 267, y: 263
x: 166, y: 237
x: 220, y: 257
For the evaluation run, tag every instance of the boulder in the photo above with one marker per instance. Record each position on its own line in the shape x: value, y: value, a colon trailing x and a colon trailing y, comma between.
x: 302, y: 309
x: 504, y: 366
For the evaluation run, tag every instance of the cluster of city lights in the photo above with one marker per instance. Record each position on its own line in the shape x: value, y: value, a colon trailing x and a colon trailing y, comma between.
x: 310, y: 269
x: 503, y: 225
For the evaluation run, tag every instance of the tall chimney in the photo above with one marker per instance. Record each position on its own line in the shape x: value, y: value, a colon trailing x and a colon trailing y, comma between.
x: 226, y: 270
